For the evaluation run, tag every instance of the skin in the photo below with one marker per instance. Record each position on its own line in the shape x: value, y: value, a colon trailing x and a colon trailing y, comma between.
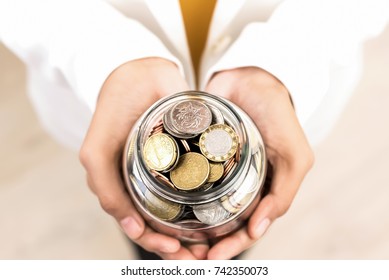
x: 126, y: 94
x: 266, y: 100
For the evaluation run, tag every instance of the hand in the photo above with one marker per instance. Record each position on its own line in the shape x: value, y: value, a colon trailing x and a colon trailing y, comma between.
x: 267, y: 102
x: 128, y: 92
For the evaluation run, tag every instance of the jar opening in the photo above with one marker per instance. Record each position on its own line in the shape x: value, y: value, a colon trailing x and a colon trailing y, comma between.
x: 155, y: 115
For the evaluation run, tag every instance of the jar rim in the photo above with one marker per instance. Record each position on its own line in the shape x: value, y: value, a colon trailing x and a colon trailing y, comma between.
x: 192, y: 198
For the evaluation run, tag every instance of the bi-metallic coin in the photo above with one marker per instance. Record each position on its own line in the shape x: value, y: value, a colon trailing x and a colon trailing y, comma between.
x: 219, y: 142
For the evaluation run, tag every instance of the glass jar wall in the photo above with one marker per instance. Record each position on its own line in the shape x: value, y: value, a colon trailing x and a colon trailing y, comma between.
x: 195, y: 165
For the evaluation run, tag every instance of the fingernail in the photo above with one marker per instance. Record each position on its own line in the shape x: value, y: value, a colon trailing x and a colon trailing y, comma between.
x: 262, y: 227
x: 131, y: 227
x: 168, y: 248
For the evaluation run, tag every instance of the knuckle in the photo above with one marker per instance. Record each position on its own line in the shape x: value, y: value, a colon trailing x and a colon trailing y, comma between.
x: 310, y: 158
x: 85, y: 155
x: 282, y: 208
x: 109, y: 204
x: 305, y: 162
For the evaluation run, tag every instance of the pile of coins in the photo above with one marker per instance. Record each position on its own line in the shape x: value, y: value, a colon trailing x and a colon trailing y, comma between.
x: 191, y: 149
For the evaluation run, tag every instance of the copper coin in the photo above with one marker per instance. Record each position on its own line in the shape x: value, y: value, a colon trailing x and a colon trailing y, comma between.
x: 227, y: 168
x: 163, y: 179
x: 185, y: 145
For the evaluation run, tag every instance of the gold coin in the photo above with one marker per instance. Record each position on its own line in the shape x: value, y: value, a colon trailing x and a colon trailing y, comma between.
x: 215, y: 172
x: 160, y: 152
x: 163, y: 209
x: 191, y: 172
x: 219, y: 142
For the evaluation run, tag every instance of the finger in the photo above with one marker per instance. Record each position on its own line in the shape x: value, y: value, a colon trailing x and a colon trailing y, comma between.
x: 219, y: 88
x: 231, y: 246
x: 200, y: 251
x: 156, y: 242
x: 168, y: 87
x: 286, y: 181
x: 182, y: 254
x: 114, y: 199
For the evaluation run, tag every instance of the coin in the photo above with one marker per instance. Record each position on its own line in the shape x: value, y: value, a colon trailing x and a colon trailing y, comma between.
x: 233, y: 206
x: 163, y: 209
x: 158, y: 128
x: 205, y: 187
x: 228, y: 165
x: 185, y: 145
x: 217, y: 116
x: 160, y: 152
x: 219, y: 142
x: 191, y: 172
x: 191, y: 117
x: 163, y: 179
x: 237, y: 154
x: 235, y: 201
x: 216, y: 171
x: 168, y: 125
x: 210, y: 213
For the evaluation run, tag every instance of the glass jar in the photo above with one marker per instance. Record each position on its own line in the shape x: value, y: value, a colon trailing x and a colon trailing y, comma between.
x: 208, y: 212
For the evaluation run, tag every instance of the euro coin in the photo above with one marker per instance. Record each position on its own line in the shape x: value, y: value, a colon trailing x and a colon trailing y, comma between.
x: 191, y: 172
x: 165, y: 210
x: 216, y: 171
x: 160, y: 152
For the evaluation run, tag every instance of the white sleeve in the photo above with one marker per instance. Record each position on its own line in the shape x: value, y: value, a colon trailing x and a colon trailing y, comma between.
x: 85, y: 40
x: 300, y: 41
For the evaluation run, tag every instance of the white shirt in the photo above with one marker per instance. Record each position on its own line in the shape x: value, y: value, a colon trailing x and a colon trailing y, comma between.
x: 70, y: 48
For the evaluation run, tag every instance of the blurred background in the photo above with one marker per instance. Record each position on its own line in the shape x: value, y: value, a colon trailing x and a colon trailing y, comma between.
x: 340, y: 212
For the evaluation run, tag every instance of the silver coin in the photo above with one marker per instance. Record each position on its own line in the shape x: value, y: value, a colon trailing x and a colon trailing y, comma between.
x: 235, y: 201
x: 229, y: 206
x: 168, y: 125
x: 249, y: 185
x: 211, y: 213
x: 217, y: 116
x: 191, y: 117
